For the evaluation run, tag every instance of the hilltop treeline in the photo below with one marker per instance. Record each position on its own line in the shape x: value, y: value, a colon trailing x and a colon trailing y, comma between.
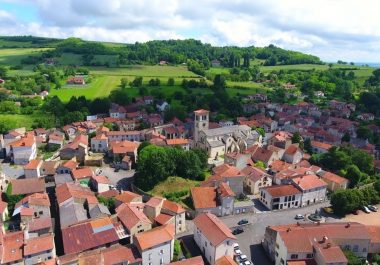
x: 172, y: 51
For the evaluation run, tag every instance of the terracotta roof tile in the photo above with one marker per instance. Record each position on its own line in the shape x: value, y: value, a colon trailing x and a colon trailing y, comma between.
x: 213, y: 228
x: 321, y: 145
x: 225, y: 260
x: 173, y: 207
x: 127, y: 197
x: 204, y: 197
x: 154, y: 237
x: 12, y: 247
x: 27, y: 186
x: 130, y: 216
x: 33, y: 164
x: 38, y: 244
x: 282, y: 190
x: 334, y: 178
x: 308, y: 182
x: 163, y: 219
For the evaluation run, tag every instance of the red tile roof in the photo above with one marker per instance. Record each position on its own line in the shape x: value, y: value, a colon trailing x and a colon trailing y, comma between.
x: 308, y: 182
x: 81, y: 173
x: 101, y: 179
x: 154, y: 237
x: 118, y: 254
x: 204, y: 197
x: 71, y: 164
x: 27, y: 186
x: 88, y: 235
x: 321, y: 145
x: 334, y: 178
x: 130, y: 216
x: 33, y: 164
x: 225, y: 260
x: 163, y: 219
x: 213, y: 228
x: 127, y: 197
x: 179, y: 141
x: 38, y: 244
x: 282, y: 190
x: 173, y: 207
x: 154, y: 202
x: 225, y: 190
x: 109, y: 193
x: 40, y: 223
x: 201, y: 111
x: 226, y: 170
x: 192, y: 261
x: 73, y: 190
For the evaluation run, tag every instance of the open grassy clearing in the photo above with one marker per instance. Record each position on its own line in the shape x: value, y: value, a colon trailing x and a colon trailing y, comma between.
x: 18, y: 120
x: 173, y: 184
x: 15, y: 55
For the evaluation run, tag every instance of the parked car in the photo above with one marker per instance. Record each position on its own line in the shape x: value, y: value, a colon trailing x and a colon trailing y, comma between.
x: 237, y: 231
x: 243, y: 258
x: 299, y: 217
x: 237, y: 251
x: 365, y: 209
x: 243, y: 222
x: 247, y: 262
x: 235, y: 245
x: 373, y: 208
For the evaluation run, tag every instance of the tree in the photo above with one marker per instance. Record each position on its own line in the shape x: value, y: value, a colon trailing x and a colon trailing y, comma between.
x: 296, y: 138
x: 260, y: 131
x: 307, y: 146
x: 219, y: 82
x: 3, y: 71
x: 124, y: 82
x: 346, y: 201
x: 171, y: 81
x: 354, y: 175
x: 137, y: 82
x: 346, y: 137
x: 260, y: 164
x: 142, y: 146
x: 203, y: 157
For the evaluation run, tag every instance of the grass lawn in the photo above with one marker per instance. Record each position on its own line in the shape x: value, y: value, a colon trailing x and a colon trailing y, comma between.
x: 18, y: 120
x: 15, y: 55
x: 173, y: 184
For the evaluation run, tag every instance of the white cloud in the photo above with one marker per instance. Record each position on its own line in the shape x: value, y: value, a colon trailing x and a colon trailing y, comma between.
x: 331, y: 29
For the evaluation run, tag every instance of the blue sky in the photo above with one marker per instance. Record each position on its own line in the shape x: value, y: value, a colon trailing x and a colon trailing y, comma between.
x: 331, y: 29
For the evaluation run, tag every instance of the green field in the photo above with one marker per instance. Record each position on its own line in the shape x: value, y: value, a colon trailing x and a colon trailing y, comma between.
x: 17, y: 120
x: 173, y: 184
x: 145, y: 71
x: 15, y: 55
x: 107, y: 79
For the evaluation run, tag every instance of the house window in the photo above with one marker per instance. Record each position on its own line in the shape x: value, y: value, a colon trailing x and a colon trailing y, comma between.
x: 276, y: 254
x: 355, y: 248
x: 150, y: 256
x: 162, y: 261
x: 310, y: 256
x: 294, y: 256
x: 161, y: 251
x: 282, y: 261
x: 205, y: 244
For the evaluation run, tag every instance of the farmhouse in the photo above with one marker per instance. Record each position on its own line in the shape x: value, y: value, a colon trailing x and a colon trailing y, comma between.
x: 76, y: 80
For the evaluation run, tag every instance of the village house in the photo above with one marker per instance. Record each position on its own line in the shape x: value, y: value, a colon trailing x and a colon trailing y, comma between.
x: 84, y: 173
x: 320, y: 243
x: 264, y: 155
x: 191, y: 261
x: 49, y: 168
x: 76, y: 80
x: 23, y: 150
x: 33, y: 169
x: 98, y: 233
x: 312, y: 187
x: 67, y: 167
x: 39, y: 249
x: 293, y: 154
x: 280, y: 197
x: 114, y: 136
x: 27, y: 186
x: 366, y: 117
x: 320, y: 147
x: 118, y: 150
x: 99, y: 143
x: 213, y: 237
x: 56, y: 138
x: 128, y: 197
x: 100, y: 183
x: 78, y: 149
x: 227, y: 174
x: 255, y: 178
x: 134, y: 220
x: 156, y: 246
x: 334, y: 182
x: 36, y: 205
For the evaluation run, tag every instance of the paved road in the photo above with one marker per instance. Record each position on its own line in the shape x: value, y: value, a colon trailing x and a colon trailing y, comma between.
x: 250, y: 239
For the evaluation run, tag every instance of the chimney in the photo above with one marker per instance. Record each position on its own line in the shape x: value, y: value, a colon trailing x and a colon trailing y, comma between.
x: 288, y: 230
x: 324, y: 239
x: 348, y: 225
x: 328, y: 245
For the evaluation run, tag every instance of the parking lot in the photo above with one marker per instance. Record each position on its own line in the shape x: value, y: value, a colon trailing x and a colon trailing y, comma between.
x: 250, y: 240
x: 372, y: 218
x: 121, y: 179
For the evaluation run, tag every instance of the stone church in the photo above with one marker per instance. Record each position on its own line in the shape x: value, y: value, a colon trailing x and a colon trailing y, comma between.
x: 219, y: 141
